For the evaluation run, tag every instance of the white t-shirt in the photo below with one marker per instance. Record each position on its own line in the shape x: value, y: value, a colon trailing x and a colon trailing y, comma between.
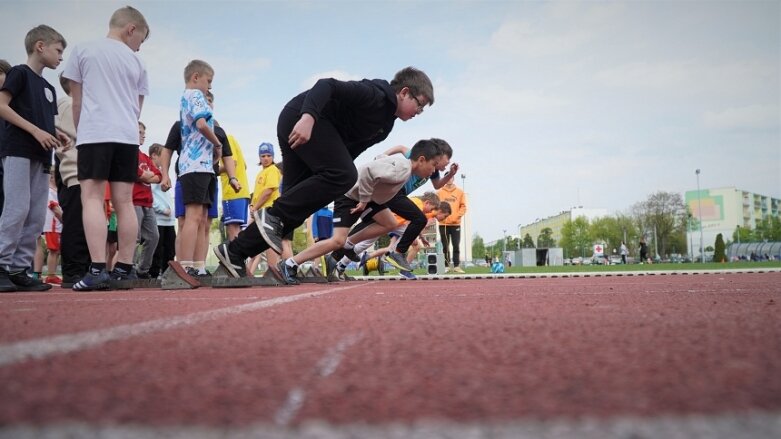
x: 52, y: 224
x: 197, y: 152
x: 112, y: 79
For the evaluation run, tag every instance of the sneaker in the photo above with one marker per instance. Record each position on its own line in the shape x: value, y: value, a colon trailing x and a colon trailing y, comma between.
x: 364, y: 258
x: 6, y: 286
x: 93, y: 282
x: 270, y: 228
x: 122, y: 280
x: 230, y: 261
x: 53, y: 280
x: 192, y: 272
x: 448, y: 269
x: 330, y: 265
x: 407, y: 275
x: 398, y: 260
x: 143, y: 275
x: 25, y: 282
x: 204, y: 275
x: 288, y: 274
x: 458, y: 270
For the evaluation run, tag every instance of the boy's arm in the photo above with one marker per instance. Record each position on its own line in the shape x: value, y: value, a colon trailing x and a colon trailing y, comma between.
x: 46, y: 140
x: 165, y: 164
x: 439, y: 183
x: 229, y: 165
x: 207, y: 132
x: 398, y: 149
x: 76, y: 104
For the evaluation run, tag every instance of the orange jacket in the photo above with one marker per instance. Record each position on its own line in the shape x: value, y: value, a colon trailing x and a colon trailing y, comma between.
x: 457, y: 199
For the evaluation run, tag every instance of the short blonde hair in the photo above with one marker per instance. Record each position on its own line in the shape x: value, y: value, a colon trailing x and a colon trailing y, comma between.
x: 128, y: 15
x: 197, y: 66
x: 42, y: 33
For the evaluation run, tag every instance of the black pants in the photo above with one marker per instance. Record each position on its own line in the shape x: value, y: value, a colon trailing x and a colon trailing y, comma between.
x: 165, y: 250
x: 73, y: 242
x: 402, y: 206
x: 451, y: 234
x: 313, y: 175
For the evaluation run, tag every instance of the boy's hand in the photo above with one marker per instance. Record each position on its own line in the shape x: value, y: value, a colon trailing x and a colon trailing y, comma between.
x: 302, y: 131
x: 46, y: 140
x: 234, y: 182
x: 165, y: 183
x: 65, y: 141
x: 358, y: 208
x: 453, y: 169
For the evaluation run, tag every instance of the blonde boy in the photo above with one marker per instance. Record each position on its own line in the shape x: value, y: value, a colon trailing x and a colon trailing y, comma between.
x: 108, y: 86
x: 28, y: 104
x: 201, y: 149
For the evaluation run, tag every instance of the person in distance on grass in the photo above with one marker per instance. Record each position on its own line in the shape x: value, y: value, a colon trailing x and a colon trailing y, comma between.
x: 320, y: 132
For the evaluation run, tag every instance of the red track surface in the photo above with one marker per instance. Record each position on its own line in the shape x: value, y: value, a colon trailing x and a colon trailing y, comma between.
x: 463, y: 352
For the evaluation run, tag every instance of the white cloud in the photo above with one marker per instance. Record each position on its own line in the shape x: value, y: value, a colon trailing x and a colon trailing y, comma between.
x: 751, y: 116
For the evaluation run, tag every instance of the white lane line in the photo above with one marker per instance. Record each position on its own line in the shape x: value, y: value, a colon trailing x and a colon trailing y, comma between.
x: 324, y: 368
x: 61, y: 344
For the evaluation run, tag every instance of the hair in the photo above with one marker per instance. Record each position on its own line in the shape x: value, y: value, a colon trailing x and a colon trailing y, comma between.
x: 43, y: 33
x: 4, y: 66
x: 444, y: 147
x: 65, y: 83
x: 197, y: 66
x: 417, y: 82
x: 444, y: 207
x: 424, y: 148
x: 155, y: 149
x: 430, y: 197
x: 128, y: 15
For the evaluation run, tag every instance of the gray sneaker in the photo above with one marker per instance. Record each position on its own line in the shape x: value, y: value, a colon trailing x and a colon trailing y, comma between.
x: 270, y: 229
x: 398, y: 260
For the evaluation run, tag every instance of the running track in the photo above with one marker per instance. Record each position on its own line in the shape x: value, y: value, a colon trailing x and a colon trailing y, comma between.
x: 641, y: 356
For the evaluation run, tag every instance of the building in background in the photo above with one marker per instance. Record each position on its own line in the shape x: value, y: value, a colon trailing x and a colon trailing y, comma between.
x: 723, y: 211
x: 556, y: 222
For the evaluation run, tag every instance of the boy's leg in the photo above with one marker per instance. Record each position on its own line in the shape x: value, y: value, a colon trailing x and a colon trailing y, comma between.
x: 38, y: 258
x: 445, y: 244
x: 127, y: 222
x: 193, y: 220
x: 16, y: 209
x: 455, y: 239
x: 149, y: 233
x: 94, y: 218
x: 405, y: 208
x: 36, y: 216
x: 73, y: 243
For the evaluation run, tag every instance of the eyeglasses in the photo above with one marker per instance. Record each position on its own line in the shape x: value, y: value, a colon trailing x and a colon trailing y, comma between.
x: 421, y: 107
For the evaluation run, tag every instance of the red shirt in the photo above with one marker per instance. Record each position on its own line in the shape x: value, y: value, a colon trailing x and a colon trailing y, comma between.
x: 142, y: 192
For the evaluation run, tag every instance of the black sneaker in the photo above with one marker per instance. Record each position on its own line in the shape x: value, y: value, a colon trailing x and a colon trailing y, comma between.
x: 288, y: 273
x: 93, y: 282
x: 193, y: 272
x: 204, y: 275
x: 25, y: 282
x: 230, y: 261
x: 6, y: 286
x: 69, y: 281
x: 398, y: 260
x: 331, y: 264
x: 270, y: 228
x: 122, y: 280
x: 144, y: 275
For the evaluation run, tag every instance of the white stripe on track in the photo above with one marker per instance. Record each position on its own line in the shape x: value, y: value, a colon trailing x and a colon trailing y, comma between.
x: 61, y: 344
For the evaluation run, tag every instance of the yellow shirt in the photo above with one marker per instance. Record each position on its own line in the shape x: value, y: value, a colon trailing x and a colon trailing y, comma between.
x: 418, y: 202
x: 267, y: 178
x: 241, y: 174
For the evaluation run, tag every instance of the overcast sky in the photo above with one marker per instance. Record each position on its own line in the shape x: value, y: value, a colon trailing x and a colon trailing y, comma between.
x: 547, y: 105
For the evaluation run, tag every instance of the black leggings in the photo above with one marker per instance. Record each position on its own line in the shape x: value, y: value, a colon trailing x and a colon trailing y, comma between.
x: 451, y: 234
x: 402, y: 206
x: 73, y: 242
x: 314, y: 174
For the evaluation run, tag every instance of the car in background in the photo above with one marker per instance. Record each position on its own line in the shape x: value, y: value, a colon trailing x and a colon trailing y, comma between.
x: 615, y: 260
x: 599, y: 260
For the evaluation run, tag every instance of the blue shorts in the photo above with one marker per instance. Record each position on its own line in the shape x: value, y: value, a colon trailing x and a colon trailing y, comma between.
x: 235, y: 211
x: 179, y: 203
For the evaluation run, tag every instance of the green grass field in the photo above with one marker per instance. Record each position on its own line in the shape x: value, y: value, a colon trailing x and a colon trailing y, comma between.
x: 608, y: 268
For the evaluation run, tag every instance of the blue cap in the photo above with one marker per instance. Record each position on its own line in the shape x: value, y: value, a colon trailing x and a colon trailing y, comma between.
x: 266, y: 148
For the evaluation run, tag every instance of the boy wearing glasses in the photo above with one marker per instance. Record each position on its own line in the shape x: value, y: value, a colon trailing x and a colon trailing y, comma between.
x: 320, y: 132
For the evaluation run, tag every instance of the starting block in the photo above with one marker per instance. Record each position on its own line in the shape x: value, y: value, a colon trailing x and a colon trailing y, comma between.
x: 222, y: 279
x: 374, y: 264
x: 135, y: 283
x: 310, y: 275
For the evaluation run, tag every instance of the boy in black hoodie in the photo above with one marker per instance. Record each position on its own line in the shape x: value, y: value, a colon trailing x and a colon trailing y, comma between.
x: 320, y: 132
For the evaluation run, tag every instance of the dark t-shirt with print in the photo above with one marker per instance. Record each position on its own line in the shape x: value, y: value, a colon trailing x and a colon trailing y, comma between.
x: 35, y: 100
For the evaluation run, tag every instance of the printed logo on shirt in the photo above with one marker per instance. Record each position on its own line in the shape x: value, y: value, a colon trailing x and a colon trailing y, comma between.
x: 49, y: 95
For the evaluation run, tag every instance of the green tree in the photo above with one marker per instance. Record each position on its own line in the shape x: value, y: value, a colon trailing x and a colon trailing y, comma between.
x: 545, y: 240
x: 718, y: 254
x: 528, y: 242
x: 664, y: 213
x: 478, y: 247
x: 575, y: 238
